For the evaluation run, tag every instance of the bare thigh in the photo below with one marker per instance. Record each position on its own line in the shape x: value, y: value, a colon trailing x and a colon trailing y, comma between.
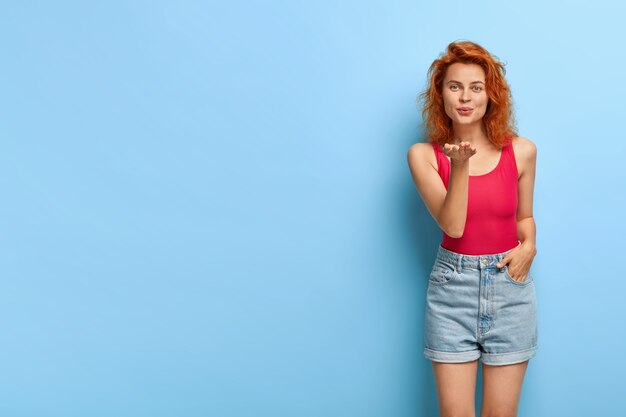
x: 456, y: 387
x: 502, y: 386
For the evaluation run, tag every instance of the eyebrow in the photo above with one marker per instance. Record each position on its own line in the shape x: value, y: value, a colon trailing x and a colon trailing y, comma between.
x: 473, y: 82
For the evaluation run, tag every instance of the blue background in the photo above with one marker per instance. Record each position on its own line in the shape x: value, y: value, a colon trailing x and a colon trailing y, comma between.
x: 207, y: 210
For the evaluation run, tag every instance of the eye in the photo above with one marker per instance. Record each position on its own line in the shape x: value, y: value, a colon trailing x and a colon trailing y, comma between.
x: 453, y: 87
x: 478, y: 88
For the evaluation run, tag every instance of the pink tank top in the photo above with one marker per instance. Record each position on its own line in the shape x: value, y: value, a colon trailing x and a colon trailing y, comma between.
x: 491, y: 225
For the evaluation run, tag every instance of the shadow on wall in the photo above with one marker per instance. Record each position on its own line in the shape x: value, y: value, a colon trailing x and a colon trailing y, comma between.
x: 422, y: 239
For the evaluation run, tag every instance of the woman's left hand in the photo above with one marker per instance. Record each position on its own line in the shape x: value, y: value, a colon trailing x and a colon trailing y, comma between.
x: 519, y: 260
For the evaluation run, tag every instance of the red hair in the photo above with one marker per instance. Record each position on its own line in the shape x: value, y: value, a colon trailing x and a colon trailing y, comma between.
x: 498, y: 120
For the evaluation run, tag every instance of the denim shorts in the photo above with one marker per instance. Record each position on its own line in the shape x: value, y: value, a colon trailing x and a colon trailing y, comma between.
x: 476, y: 310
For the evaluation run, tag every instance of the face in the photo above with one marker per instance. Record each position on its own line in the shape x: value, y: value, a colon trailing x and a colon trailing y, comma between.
x: 464, y: 87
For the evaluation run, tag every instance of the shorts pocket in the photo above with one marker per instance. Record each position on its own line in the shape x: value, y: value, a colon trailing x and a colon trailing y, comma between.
x: 528, y: 280
x: 442, y: 273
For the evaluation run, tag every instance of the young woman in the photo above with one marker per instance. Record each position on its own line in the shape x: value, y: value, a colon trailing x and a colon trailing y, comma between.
x: 476, y: 178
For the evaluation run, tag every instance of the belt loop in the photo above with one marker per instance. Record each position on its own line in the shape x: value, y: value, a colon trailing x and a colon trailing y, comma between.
x: 459, y: 267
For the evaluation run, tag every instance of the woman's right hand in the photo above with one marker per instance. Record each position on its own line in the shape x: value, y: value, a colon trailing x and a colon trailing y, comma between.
x: 459, y: 153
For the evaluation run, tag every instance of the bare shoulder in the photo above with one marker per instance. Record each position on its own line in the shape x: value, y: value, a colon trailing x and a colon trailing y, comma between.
x: 525, y: 153
x: 422, y: 152
x: 524, y: 147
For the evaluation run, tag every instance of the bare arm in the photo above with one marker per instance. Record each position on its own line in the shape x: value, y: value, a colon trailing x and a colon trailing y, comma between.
x: 526, y: 228
x: 520, y: 259
x: 447, y: 207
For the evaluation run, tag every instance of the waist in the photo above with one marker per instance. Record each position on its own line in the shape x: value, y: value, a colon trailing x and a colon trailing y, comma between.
x: 472, y: 261
x: 483, y: 237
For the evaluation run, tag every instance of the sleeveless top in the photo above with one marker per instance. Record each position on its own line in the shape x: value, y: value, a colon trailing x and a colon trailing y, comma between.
x: 491, y: 224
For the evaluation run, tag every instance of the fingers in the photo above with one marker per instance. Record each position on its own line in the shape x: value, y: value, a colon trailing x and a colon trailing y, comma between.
x: 521, y: 269
x: 465, y: 146
x: 461, y: 150
x: 504, y: 261
x: 449, y: 148
x: 519, y: 276
x: 456, y: 147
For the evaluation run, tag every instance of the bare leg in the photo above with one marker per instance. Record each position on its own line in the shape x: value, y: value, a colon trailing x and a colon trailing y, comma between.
x: 456, y: 388
x: 502, y: 386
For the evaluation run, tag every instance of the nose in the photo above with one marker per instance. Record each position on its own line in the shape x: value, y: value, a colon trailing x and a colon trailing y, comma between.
x: 464, y: 96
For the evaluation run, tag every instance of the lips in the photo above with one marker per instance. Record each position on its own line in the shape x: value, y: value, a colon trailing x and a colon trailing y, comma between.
x: 464, y: 111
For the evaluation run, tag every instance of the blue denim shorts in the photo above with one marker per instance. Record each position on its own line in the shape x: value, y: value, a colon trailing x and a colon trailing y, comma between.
x: 476, y: 310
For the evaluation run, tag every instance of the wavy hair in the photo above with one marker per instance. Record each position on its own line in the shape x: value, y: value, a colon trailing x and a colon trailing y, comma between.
x: 499, y: 120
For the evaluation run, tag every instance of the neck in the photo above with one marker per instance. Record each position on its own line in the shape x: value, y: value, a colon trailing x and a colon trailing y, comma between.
x: 474, y: 133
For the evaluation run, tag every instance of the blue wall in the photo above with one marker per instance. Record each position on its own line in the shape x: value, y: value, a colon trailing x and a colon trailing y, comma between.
x: 207, y: 211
